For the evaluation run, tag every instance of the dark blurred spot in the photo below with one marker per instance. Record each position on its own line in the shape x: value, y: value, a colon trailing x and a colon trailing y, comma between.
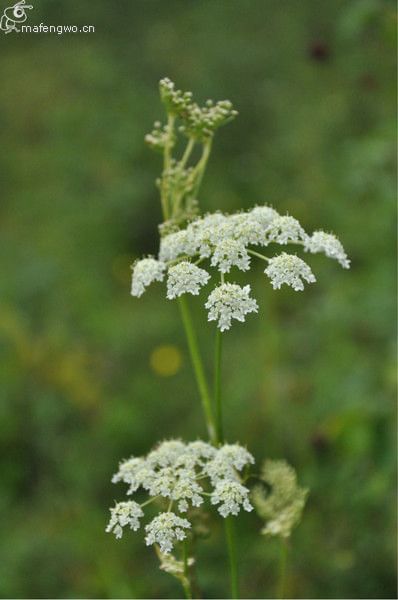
x: 320, y: 443
x: 319, y: 51
x: 368, y: 82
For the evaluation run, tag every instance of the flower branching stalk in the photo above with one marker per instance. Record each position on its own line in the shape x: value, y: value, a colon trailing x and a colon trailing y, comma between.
x: 179, y: 187
x: 180, y: 180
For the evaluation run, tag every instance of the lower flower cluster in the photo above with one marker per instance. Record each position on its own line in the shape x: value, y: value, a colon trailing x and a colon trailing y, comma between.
x: 183, y: 476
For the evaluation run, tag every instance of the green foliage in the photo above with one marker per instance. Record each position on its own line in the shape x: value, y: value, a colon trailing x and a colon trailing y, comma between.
x: 314, y: 84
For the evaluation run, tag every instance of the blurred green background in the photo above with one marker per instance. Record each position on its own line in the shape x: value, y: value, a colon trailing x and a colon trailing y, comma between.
x: 90, y: 375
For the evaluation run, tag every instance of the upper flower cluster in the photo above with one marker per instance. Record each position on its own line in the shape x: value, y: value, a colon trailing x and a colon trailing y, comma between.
x: 226, y: 241
x: 183, y: 474
x: 182, y: 174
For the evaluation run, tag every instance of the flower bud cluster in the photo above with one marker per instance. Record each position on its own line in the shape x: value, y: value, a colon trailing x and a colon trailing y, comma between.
x: 200, y: 123
x: 183, y: 475
x: 197, y: 122
x: 176, y: 102
x: 176, y: 568
x: 282, y: 506
x: 159, y: 136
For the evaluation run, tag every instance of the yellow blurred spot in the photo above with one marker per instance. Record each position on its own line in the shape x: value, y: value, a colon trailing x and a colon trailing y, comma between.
x: 166, y: 360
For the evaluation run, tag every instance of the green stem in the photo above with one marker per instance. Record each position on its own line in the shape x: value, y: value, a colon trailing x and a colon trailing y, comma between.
x: 282, y: 569
x: 166, y: 164
x: 217, y: 386
x: 187, y: 152
x: 201, y: 166
x: 254, y: 253
x: 198, y: 368
x: 187, y: 579
x: 229, y: 522
x: 231, y: 543
x: 169, y: 143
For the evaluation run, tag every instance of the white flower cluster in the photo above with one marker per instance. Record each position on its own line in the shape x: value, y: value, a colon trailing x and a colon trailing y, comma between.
x: 124, y: 513
x: 225, y: 241
x: 165, y: 529
x: 231, y: 495
x: 285, y: 230
x: 230, y: 301
x: 145, y: 272
x: 183, y: 475
x: 230, y: 253
x: 185, y: 278
x: 327, y: 243
x: 289, y: 269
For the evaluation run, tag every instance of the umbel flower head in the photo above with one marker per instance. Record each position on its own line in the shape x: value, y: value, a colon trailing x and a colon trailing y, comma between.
x: 124, y: 513
x: 165, y: 529
x: 185, y: 278
x: 290, y: 270
x: 230, y: 301
x: 226, y: 242
x: 181, y: 476
x: 283, y: 505
x: 145, y: 272
x: 328, y: 243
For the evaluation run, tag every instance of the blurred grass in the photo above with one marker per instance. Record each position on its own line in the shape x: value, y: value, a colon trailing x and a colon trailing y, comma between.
x: 312, y: 379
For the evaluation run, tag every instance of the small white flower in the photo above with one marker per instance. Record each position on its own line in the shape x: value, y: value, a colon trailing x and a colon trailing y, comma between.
x: 202, y: 451
x: 146, y: 271
x: 185, y: 489
x: 231, y: 496
x: 264, y: 215
x: 166, y: 454
x: 207, y: 232
x: 230, y: 301
x: 230, y: 253
x: 246, y: 229
x: 235, y: 455
x: 185, y: 278
x: 328, y: 243
x: 165, y: 530
x: 284, y: 230
x: 124, y: 513
x: 161, y: 483
x: 289, y: 269
x: 177, y: 244
x: 229, y: 459
x: 129, y: 472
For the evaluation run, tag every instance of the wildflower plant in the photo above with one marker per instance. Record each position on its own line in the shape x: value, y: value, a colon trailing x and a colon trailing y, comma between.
x: 201, y: 253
